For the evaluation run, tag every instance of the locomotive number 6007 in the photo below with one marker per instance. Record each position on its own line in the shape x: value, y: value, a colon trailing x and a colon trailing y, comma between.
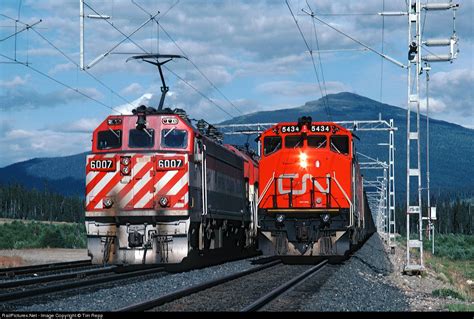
x: 102, y: 165
x: 170, y: 163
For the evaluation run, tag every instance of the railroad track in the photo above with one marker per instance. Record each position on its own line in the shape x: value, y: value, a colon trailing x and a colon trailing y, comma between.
x: 258, y: 304
x: 15, y: 271
x: 75, y: 284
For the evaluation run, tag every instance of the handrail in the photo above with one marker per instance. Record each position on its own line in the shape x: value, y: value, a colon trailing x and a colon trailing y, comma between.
x: 270, y: 181
x: 347, y: 197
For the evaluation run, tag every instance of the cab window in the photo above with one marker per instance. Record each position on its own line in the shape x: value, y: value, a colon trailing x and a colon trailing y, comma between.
x: 340, y: 144
x: 317, y: 141
x: 141, y: 138
x: 293, y: 141
x: 109, y: 139
x: 271, y: 144
x: 174, y: 138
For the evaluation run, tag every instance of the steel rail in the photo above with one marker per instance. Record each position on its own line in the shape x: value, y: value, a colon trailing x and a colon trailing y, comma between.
x: 43, y: 267
x: 77, y: 284
x: 259, y: 303
x: 55, y: 277
x: 152, y: 303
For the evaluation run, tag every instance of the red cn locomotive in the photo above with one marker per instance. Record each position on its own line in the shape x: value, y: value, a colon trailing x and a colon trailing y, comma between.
x: 313, y: 201
x: 159, y: 190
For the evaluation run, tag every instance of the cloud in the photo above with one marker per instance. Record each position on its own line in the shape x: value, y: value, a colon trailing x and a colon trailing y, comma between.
x: 133, y: 88
x: 21, y: 144
x: 83, y: 125
x: 293, y: 88
x: 454, y: 90
x: 22, y: 98
x: 16, y: 81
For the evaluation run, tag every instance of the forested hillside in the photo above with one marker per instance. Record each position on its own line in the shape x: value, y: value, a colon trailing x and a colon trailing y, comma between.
x: 18, y: 202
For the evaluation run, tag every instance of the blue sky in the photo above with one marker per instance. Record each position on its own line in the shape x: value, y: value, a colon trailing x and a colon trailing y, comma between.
x: 250, y: 50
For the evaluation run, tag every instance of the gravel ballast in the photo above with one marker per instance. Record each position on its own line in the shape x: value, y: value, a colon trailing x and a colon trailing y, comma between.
x: 360, y: 284
x: 130, y: 291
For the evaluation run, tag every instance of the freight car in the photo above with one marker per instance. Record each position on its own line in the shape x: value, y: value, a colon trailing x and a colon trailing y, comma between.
x: 313, y: 202
x: 159, y: 190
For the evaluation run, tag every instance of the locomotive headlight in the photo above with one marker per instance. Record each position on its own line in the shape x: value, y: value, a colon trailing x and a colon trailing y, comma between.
x: 108, y: 203
x: 303, y: 160
x: 125, y: 161
x: 280, y: 218
x: 125, y: 170
x: 163, y: 201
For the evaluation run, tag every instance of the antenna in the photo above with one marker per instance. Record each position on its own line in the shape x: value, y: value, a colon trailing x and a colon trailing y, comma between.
x: 156, y: 61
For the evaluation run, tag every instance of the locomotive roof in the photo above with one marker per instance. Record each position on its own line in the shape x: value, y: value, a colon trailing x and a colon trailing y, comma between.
x: 295, y: 123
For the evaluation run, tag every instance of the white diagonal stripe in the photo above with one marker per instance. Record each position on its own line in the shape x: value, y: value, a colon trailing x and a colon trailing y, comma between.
x: 164, y: 180
x: 145, y: 199
x: 179, y: 185
x: 101, y: 184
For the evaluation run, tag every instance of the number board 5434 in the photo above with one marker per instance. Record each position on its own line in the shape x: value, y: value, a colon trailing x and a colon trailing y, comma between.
x: 320, y: 128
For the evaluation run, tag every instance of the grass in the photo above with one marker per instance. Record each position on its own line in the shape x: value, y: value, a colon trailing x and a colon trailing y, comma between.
x: 453, y: 261
x: 447, y: 293
x: 18, y: 235
x: 460, y: 307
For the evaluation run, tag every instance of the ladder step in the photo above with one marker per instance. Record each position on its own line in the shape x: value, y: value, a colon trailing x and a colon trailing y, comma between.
x: 413, y: 135
x: 414, y: 172
x: 414, y: 243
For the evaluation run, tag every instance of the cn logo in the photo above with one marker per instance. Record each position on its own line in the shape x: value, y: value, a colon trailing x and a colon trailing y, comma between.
x: 304, y: 180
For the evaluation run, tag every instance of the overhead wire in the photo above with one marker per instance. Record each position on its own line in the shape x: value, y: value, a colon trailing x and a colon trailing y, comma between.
x: 77, y: 65
x: 320, y: 60
x: 60, y: 83
x: 199, y: 70
x: 382, y: 50
x: 160, y: 26
x: 312, y: 60
x: 175, y: 74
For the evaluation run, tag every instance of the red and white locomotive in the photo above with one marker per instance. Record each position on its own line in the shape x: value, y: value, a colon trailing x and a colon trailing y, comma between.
x: 313, y: 201
x: 159, y: 190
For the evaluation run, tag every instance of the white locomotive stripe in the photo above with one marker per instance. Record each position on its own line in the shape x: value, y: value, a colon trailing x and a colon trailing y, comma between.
x: 126, y: 198
x: 168, y: 155
x: 164, y: 180
x: 137, y: 188
x: 186, y: 198
x: 145, y: 199
x: 101, y: 184
x: 90, y: 176
x: 184, y: 202
x: 179, y: 185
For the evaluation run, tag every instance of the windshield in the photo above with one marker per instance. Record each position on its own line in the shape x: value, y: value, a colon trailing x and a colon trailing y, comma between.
x: 293, y: 141
x: 271, y: 144
x: 109, y: 139
x: 340, y: 144
x: 317, y: 141
x: 174, y: 138
x: 141, y: 138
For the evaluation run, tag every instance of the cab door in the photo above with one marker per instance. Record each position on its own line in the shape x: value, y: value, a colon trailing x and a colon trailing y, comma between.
x: 143, y: 176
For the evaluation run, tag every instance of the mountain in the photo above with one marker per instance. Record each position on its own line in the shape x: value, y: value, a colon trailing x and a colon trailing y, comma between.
x: 64, y: 175
x: 451, y: 150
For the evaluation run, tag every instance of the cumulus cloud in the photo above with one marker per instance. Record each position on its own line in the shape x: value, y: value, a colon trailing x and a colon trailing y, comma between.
x: 454, y: 90
x: 21, y: 144
x: 292, y: 88
x: 133, y: 88
x: 83, y: 125
x: 29, y: 98
x: 16, y: 81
